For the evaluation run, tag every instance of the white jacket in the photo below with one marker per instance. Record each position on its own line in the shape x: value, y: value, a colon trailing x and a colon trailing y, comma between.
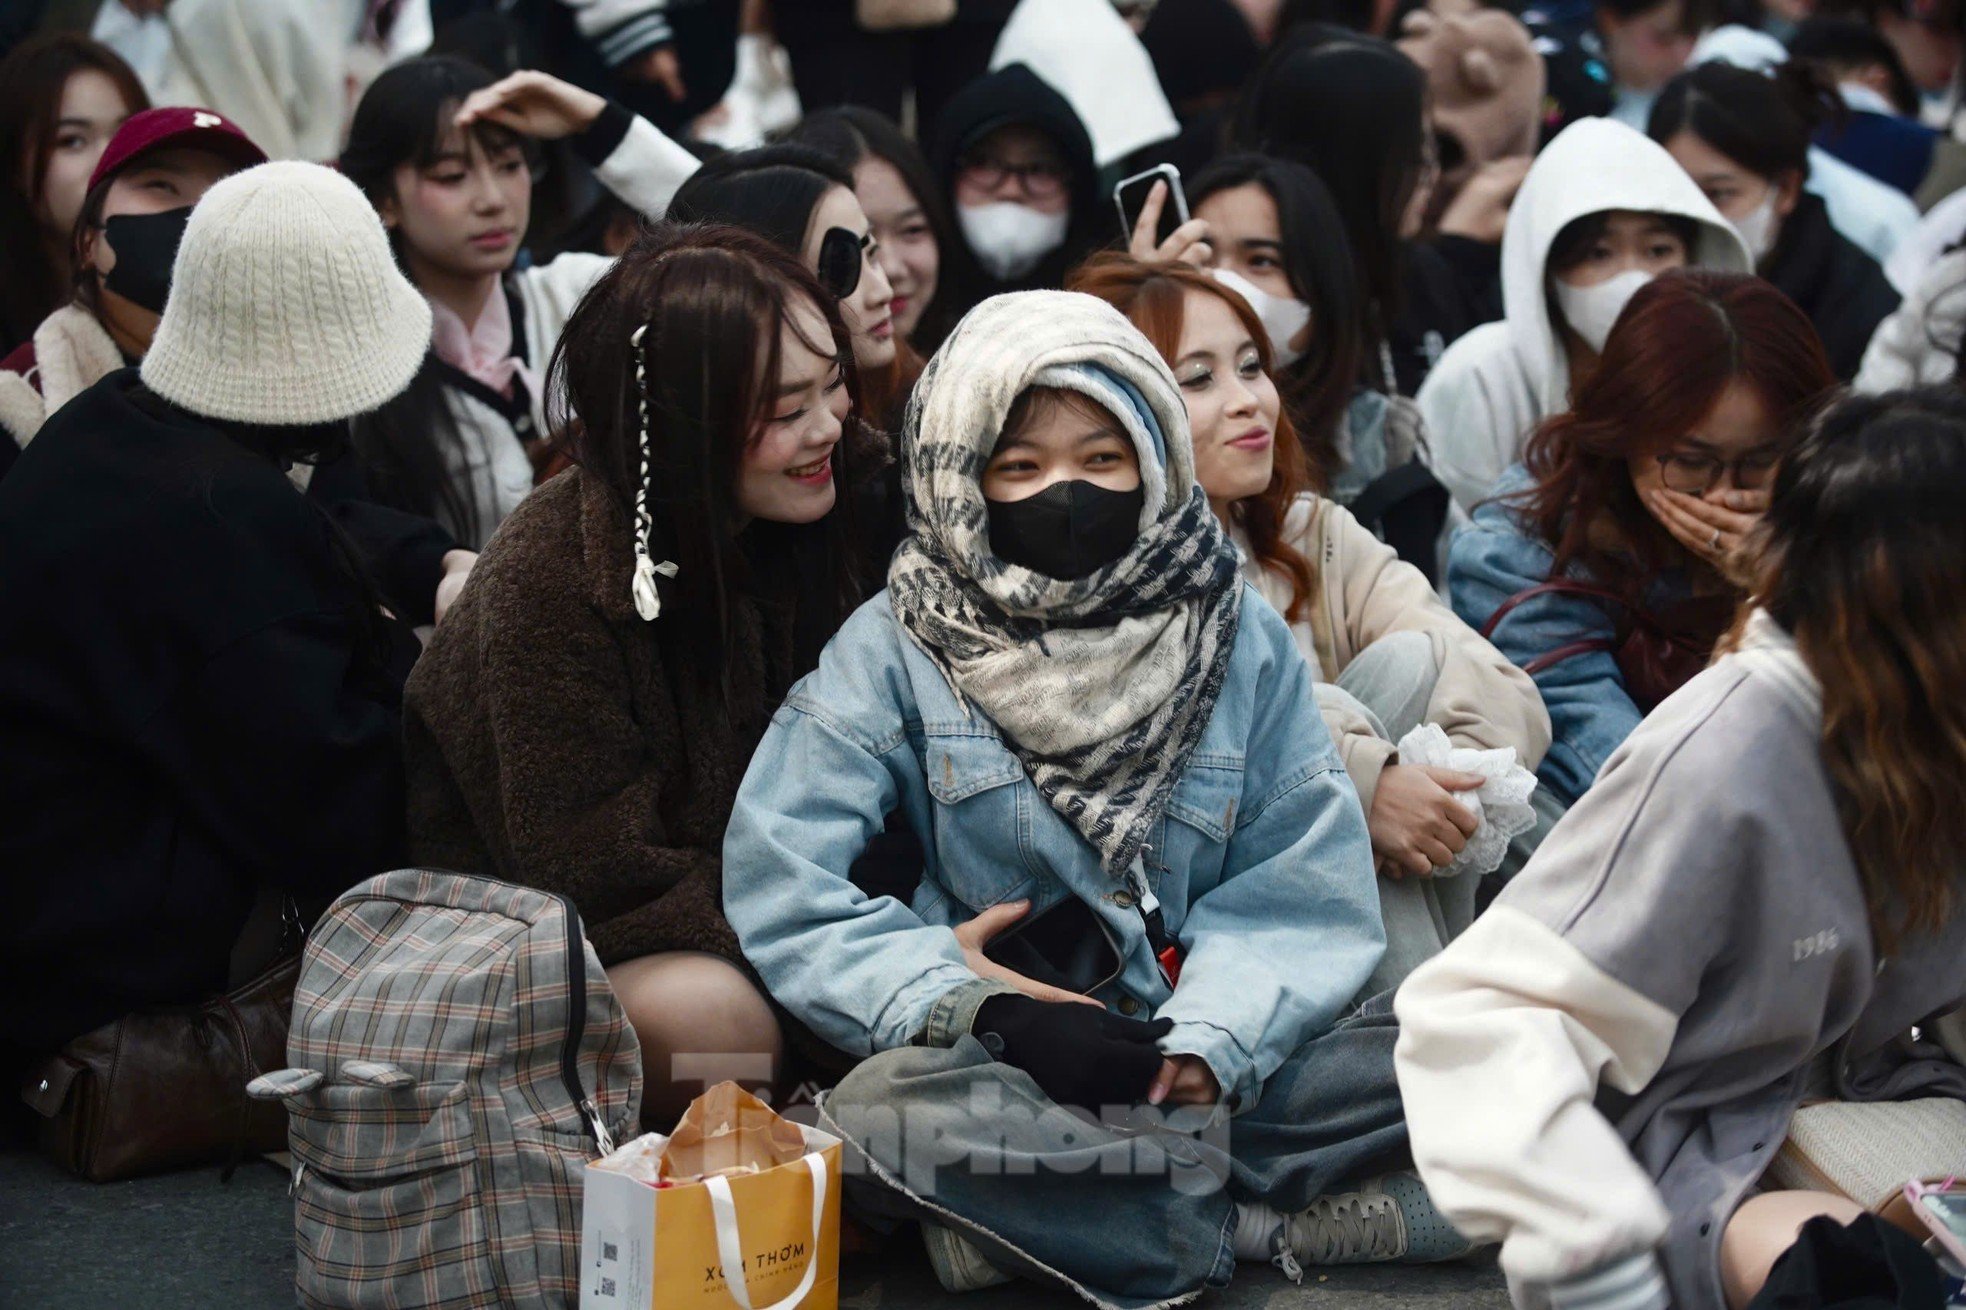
x: 644, y: 171
x: 1494, y: 385
x: 1919, y: 344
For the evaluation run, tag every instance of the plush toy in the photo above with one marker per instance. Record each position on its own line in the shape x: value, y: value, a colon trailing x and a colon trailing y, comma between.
x: 1485, y: 81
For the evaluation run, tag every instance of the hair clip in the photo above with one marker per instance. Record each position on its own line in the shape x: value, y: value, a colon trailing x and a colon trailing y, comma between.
x: 648, y: 601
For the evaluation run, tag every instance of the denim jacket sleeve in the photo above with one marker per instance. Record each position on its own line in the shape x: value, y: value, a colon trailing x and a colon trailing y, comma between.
x: 1278, y: 948
x: 1591, y: 713
x: 863, y: 973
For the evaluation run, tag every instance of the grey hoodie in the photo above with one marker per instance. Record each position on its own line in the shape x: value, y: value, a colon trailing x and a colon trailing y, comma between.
x: 1600, y: 1069
x: 1494, y: 385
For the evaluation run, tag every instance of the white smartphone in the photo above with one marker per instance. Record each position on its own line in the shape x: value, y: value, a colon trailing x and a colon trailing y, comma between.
x: 1130, y: 197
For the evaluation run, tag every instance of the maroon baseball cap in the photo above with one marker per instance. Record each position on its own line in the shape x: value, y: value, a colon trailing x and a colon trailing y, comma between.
x: 200, y: 129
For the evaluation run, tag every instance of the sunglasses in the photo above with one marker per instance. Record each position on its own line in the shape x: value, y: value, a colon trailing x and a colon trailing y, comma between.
x: 840, y: 261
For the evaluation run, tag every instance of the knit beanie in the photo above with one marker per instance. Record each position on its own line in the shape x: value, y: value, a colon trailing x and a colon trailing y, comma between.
x: 286, y: 305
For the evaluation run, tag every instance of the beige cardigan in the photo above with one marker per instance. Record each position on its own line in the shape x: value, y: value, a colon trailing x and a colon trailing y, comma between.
x: 1364, y: 592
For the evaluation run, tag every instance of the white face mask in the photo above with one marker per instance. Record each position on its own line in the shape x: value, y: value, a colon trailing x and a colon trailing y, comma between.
x: 1282, y: 317
x: 1010, y: 239
x: 1591, y: 311
x: 1761, y: 229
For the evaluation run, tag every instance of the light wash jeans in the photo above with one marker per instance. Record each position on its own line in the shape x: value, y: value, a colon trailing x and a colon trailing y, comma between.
x: 1135, y: 1211
x: 1390, y: 683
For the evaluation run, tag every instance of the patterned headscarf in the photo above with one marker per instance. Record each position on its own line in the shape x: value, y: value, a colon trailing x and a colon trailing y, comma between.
x: 1103, y: 685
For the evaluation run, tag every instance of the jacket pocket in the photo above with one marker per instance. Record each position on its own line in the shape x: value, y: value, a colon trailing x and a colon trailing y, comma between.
x: 1201, y: 817
x: 982, y: 818
x: 387, y: 1210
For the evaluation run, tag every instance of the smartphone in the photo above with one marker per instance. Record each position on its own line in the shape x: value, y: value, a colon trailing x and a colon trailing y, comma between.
x: 1943, y: 1210
x: 1064, y: 945
x: 1130, y: 197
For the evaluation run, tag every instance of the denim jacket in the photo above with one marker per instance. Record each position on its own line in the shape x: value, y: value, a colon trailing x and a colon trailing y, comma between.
x: 1261, y: 863
x: 1494, y: 557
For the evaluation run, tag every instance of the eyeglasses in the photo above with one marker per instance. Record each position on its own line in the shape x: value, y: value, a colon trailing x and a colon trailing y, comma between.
x: 840, y: 261
x: 1042, y: 181
x: 1696, y: 475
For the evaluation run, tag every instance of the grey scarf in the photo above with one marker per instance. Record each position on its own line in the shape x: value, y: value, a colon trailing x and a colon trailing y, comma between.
x: 1102, y: 686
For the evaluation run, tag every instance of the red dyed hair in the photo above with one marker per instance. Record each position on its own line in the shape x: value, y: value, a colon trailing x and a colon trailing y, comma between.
x: 1685, y: 338
x: 1152, y: 296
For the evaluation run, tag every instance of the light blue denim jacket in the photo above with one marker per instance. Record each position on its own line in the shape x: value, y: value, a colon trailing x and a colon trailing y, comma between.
x: 1494, y: 557
x: 1261, y: 863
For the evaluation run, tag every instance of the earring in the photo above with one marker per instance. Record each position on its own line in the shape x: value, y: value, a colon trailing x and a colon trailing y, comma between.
x: 648, y: 601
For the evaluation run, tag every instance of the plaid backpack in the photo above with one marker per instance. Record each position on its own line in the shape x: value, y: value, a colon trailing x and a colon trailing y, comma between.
x: 457, y: 1058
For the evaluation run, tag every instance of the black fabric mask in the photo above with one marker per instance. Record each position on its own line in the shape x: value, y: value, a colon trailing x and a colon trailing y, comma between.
x: 1068, y: 530
x: 146, y: 247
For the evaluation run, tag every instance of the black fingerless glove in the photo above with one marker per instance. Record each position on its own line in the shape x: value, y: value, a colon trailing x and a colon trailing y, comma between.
x: 1078, y: 1055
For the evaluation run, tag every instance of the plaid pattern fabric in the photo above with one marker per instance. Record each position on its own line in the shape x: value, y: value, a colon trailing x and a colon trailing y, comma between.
x: 438, y: 1157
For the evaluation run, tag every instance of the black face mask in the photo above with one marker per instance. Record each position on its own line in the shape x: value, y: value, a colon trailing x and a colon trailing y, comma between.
x: 1067, y: 530
x: 146, y: 247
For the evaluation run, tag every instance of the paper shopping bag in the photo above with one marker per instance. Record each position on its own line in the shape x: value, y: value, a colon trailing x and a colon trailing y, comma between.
x: 738, y: 1208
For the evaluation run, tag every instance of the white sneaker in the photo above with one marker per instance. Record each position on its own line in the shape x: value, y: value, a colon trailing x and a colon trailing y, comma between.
x: 958, y: 1266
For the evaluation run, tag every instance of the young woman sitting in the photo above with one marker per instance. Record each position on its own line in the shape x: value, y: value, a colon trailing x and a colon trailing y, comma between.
x: 1386, y: 653
x: 1602, y: 565
x: 443, y: 153
x: 1100, y: 736
x: 1752, y: 909
x: 1603, y: 211
x: 200, y: 683
x: 581, y: 720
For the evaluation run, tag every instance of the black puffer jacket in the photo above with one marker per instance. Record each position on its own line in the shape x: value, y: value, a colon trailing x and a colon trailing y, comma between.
x: 1841, y: 289
x: 1014, y: 95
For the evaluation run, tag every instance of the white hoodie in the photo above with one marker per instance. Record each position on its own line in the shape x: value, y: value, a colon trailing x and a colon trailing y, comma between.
x: 1494, y: 385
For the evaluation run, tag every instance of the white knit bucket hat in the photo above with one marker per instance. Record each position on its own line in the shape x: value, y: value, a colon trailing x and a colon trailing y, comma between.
x: 286, y: 306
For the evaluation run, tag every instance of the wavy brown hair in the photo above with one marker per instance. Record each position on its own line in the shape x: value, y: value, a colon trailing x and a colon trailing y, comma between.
x: 1859, y: 559
x: 1151, y: 296
x: 1683, y: 340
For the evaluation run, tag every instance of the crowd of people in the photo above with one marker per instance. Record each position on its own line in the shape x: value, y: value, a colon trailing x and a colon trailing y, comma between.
x: 964, y: 631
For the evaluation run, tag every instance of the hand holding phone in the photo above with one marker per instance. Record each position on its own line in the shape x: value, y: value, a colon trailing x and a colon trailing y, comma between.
x: 1153, y: 212
x: 1943, y: 1210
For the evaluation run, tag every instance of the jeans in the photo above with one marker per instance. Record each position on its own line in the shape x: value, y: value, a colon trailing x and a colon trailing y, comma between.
x: 1132, y: 1211
x: 1391, y: 682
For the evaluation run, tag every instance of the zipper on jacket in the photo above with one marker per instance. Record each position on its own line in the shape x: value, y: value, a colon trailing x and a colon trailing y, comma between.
x: 577, y: 1029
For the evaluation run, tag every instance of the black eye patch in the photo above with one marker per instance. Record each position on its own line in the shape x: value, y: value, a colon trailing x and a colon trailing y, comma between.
x: 839, y: 261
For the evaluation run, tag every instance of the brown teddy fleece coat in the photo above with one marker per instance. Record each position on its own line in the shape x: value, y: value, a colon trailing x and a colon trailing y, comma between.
x: 555, y: 739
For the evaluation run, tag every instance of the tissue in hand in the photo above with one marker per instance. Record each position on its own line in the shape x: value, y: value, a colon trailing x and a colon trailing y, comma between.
x: 1501, y: 803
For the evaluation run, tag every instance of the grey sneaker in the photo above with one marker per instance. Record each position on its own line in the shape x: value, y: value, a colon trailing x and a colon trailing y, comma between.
x: 1387, y: 1218
x: 958, y: 1266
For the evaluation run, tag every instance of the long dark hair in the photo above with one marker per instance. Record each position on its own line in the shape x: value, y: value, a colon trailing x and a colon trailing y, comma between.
x: 33, y: 77
x: 1859, y: 561
x: 773, y: 190
x: 848, y: 134
x: 702, y: 292
x: 1352, y: 108
x: 404, y: 118
x: 1318, y: 261
x: 1683, y: 340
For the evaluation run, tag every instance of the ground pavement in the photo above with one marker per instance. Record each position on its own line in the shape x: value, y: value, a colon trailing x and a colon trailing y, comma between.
x: 187, y: 1242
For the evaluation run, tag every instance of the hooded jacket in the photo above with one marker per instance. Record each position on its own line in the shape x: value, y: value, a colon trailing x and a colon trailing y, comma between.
x: 1001, y: 98
x: 191, y: 710
x: 1597, y: 1073
x: 1841, y: 289
x: 1495, y: 384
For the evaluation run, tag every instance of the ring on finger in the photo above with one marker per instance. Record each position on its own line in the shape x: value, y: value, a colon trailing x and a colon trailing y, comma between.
x: 1715, y: 543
